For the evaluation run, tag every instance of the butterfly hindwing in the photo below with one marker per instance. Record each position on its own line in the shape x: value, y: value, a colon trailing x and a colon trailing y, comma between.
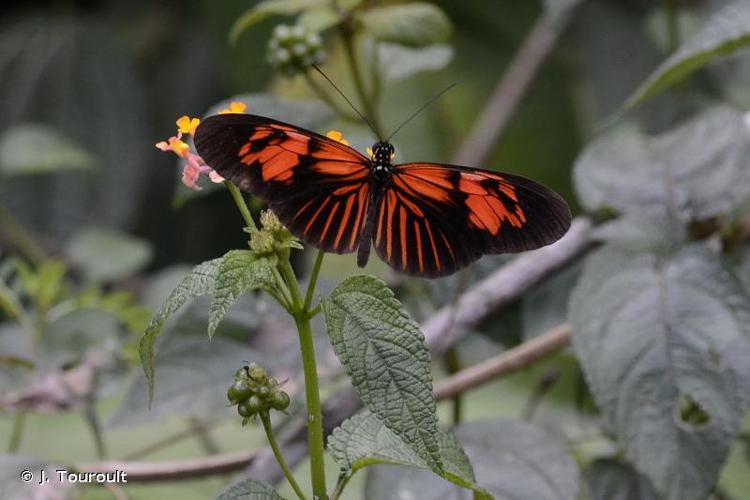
x: 434, y: 219
x: 318, y: 187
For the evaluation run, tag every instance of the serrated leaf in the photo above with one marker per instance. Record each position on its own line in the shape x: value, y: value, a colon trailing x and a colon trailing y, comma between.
x: 38, y: 149
x: 105, y: 255
x: 725, y: 32
x: 249, y: 489
x: 364, y: 440
x: 398, y: 62
x: 385, y: 355
x: 415, y: 24
x: 608, y: 479
x: 194, y: 374
x: 664, y: 344
x: 268, y: 8
x: 239, y: 272
x: 696, y: 171
x: 511, y: 460
x: 199, y: 282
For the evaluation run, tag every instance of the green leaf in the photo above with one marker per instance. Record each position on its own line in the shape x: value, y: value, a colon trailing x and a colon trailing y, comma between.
x: 512, y: 460
x: 398, y: 62
x: 319, y: 19
x: 37, y: 149
x: 194, y: 374
x: 239, y: 271
x: 68, y: 338
x: 105, y: 255
x: 268, y: 8
x: 385, y: 355
x: 249, y: 489
x: 416, y: 24
x: 364, y: 440
x: 724, y: 33
x: 199, y: 282
x: 608, y: 479
x: 695, y: 171
x: 664, y: 343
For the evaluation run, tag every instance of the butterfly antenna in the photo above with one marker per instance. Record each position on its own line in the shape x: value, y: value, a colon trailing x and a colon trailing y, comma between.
x: 424, y: 106
x: 364, y: 118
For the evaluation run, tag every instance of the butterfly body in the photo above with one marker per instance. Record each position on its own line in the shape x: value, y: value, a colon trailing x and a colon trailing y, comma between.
x: 424, y: 219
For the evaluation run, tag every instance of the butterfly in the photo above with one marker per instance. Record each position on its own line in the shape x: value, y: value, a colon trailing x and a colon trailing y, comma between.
x: 424, y: 219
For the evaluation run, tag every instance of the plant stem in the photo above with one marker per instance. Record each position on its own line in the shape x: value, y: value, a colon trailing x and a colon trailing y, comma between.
x: 240, y: 202
x: 16, y: 432
x: 313, y: 281
x: 23, y: 242
x: 340, y: 485
x: 266, y: 420
x: 316, y: 444
x: 347, y: 37
x: 673, y: 25
x: 452, y: 364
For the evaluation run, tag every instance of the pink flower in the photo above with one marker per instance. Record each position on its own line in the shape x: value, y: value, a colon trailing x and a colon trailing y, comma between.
x: 194, y: 164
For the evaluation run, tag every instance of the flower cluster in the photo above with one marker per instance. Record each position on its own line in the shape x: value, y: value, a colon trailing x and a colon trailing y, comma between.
x: 194, y: 164
x: 254, y: 392
x: 293, y: 50
x: 273, y: 238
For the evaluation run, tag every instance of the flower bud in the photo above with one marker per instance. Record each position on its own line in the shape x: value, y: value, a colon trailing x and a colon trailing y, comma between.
x: 292, y: 50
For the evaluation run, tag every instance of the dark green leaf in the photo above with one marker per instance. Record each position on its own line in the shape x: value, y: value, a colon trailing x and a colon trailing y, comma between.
x: 511, y: 460
x: 608, y: 479
x: 37, y: 149
x: 105, y: 255
x: 194, y: 374
x: 696, y: 171
x: 268, y: 8
x: 664, y: 344
x: 238, y: 272
x: 199, y: 282
x: 385, y: 355
x: 363, y: 440
x: 724, y: 33
x: 66, y: 339
x: 249, y: 489
x: 415, y: 24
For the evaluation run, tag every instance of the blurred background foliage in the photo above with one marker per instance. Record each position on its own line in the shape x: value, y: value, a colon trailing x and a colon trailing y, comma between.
x: 104, y: 228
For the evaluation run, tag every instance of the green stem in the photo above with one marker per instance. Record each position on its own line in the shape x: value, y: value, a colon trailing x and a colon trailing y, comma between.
x: 240, y: 202
x: 266, y: 420
x: 340, y: 485
x: 347, y: 36
x: 313, y: 281
x: 16, y: 432
x: 316, y: 444
x: 19, y: 238
x: 452, y: 364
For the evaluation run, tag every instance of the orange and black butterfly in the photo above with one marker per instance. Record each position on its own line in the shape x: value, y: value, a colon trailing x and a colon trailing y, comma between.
x: 424, y: 219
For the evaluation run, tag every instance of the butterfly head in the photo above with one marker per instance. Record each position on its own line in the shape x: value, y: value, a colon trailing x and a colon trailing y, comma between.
x: 382, y: 154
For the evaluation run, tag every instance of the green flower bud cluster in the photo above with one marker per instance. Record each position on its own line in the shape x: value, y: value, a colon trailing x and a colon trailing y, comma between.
x: 292, y: 49
x: 273, y: 238
x: 254, y: 392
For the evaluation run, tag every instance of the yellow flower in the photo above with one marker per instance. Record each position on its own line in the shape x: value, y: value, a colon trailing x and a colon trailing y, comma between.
x: 187, y: 125
x: 234, y: 107
x: 175, y: 144
x: 337, y: 136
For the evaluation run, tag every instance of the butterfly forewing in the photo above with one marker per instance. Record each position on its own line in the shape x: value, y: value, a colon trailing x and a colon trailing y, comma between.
x: 434, y: 219
x: 319, y: 188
